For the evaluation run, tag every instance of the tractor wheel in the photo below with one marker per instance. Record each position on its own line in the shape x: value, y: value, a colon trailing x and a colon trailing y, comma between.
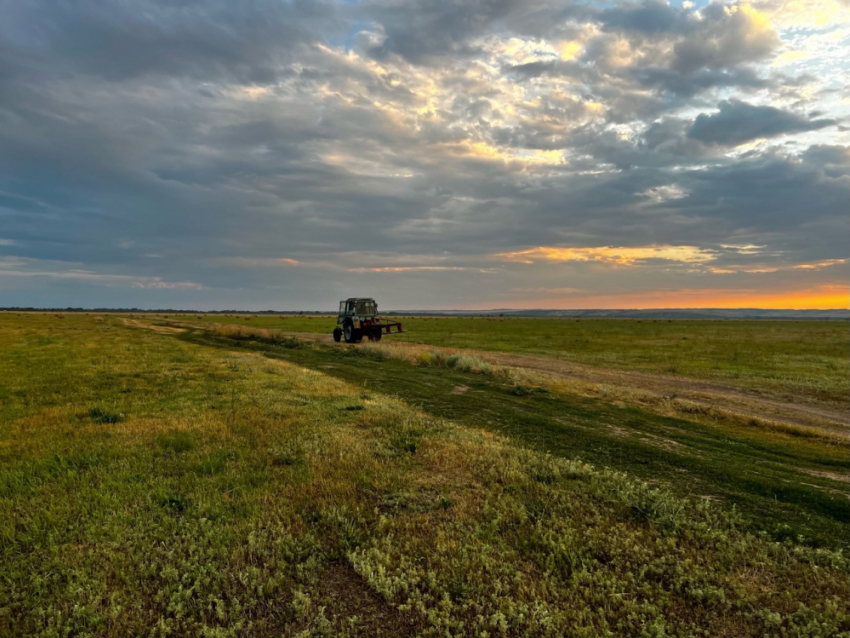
x: 349, y: 332
x: 337, y: 335
x: 376, y: 336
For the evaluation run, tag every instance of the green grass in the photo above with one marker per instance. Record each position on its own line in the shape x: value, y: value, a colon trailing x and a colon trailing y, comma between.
x: 254, y: 488
x: 776, y: 481
x: 797, y: 358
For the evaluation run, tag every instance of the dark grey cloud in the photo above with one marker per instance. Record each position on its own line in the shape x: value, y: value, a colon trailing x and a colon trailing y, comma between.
x: 649, y: 17
x: 666, y: 80
x: 737, y: 122
x: 679, y: 55
x: 834, y: 161
x: 725, y: 38
x: 428, y: 32
x: 778, y: 199
x: 532, y: 69
x: 419, y: 31
x: 251, y: 42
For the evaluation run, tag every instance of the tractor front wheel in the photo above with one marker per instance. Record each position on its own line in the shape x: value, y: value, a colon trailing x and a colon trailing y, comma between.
x: 350, y: 333
x: 337, y: 335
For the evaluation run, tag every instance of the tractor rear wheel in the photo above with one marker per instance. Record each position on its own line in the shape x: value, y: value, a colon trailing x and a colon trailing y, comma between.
x: 376, y: 336
x: 352, y: 335
x: 337, y: 335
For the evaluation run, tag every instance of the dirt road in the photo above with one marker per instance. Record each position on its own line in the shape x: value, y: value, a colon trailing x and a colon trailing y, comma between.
x: 748, y: 403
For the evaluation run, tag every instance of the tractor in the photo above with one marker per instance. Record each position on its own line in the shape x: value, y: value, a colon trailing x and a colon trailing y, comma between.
x: 359, y: 318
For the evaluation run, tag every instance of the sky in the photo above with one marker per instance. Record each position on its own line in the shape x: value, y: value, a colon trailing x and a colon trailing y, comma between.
x: 471, y: 154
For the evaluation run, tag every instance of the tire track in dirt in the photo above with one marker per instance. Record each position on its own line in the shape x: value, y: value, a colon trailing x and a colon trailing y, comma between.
x: 750, y: 403
x: 166, y: 330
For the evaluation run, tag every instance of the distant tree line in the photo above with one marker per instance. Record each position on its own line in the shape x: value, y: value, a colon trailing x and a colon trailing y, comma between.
x: 663, y: 313
x: 171, y: 311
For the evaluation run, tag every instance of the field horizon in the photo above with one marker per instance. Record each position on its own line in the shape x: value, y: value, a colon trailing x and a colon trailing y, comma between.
x: 742, y: 313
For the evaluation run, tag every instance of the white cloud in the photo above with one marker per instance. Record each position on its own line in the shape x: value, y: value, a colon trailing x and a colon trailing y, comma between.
x: 33, y: 268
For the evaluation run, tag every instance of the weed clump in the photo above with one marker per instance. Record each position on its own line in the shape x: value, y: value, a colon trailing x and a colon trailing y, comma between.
x: 353, y: 408
x: 213, y: 464
x: 437, y: 359
x: 526, y: 390
x: 175, y: 502
x: 263, y: 335
x: 468, y: 363
x: 176, y: 442
x: 459, y: 362
x: 100, y: 414
x: 406, y: 441
x: 365, y: 351
x: 287, y: 457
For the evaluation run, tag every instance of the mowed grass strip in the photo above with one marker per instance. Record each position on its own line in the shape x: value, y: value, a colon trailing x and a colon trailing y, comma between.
x: 243, y: 496
x: 785, y: 486
x: 800, y: 360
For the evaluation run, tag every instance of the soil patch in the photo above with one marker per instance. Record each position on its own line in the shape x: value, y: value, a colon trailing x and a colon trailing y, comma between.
x: 749, y: 403
x: 166, y: 330
x: 343, y: 591
x: 834, y: 476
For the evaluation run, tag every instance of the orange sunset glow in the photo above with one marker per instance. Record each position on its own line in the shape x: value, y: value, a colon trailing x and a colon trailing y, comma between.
x: 823, y: 298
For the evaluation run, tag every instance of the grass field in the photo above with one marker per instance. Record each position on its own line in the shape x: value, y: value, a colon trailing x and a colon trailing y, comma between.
x: 803, y: 359
x: 185, y: 483
x: 786, y: 483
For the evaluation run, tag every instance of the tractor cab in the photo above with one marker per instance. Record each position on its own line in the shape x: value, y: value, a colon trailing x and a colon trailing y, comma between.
x: 357, y: 309
x: 359, y: 318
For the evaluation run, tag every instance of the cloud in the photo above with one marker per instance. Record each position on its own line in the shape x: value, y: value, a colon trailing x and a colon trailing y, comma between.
x: 729, y: 35
x: 649, y: 17
x: 16, y: 267
x: 833, y: 160
x: 623, y: 256
x: 248, y: 42
x: 698, y: 81
x: 549, y: 291
x: 772, y: 268
x: 738, y: 122
x: 404, y: 268
x: 425, y: 32
x: 257, y: 262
